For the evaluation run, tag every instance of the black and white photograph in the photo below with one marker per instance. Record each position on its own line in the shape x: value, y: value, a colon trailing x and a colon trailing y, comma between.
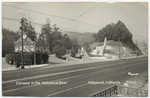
x: 74, y: 49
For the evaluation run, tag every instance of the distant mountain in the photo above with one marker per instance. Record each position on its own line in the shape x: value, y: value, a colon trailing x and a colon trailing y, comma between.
x: 82, y: 38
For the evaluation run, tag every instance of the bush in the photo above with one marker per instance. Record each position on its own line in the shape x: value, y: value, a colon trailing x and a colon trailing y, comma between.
x: 42, y: 58
x: 75, y: 47
x: 59, y: 51
x: 13, y: 58
x: 28, y: 58
x: 74, y: 50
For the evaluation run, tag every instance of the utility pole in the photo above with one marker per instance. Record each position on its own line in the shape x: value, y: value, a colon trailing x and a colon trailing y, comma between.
x: 136, y: 50
x: 22, y: 28
x: 119, y: 55
x: 144, y: 47
x: 22, y: 56
x: 34, y: 52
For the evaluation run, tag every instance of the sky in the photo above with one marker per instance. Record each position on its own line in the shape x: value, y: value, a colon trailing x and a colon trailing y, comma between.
x: 133, y: 14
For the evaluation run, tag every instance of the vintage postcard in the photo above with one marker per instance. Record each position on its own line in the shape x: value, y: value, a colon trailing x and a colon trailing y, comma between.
x: 75, y: 49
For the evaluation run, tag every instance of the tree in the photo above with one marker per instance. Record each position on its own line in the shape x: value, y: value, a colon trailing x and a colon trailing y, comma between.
x: 59, y: 50
x: 121, y: 32
x: 114, y: 32
x: 47, y: 30
x: 31, y: 32
x: 117, y: 32
x: 8, y: 41
x: 27, y: 29
x: 75, y: 47
x: 55, y: 39
x: 67, y: 42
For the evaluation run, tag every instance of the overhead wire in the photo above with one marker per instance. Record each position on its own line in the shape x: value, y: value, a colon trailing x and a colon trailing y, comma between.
x: 68, y: 19
x: 37, y: 12
x: 82, y: 15
x: 35, y: 23
x: 86, y: 12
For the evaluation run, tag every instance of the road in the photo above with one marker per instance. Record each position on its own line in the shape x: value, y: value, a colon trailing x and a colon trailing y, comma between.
x: 72, y: 80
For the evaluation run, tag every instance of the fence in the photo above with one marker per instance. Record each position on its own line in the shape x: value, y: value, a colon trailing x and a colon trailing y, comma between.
x: 106, y: 93
x: 123, y: 91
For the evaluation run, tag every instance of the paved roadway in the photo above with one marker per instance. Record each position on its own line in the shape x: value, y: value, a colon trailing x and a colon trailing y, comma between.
x: 74, y: 77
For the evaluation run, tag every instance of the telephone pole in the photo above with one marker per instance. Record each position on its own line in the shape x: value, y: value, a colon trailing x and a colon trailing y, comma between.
x: 22, y: 61
x: 34, y: 52
x: 144, y: 47
x: 22, y: 29
x: 119, y: 54
x: 136, y: 50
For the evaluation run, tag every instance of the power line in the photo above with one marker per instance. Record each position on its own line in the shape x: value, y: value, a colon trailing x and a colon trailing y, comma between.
x: 85, y: 12
x: 52, y: 15
x: 81, y: 15
x: 10, y: 18
x: 19, y: 20
x: 63, y: 28
x: 38, y: 12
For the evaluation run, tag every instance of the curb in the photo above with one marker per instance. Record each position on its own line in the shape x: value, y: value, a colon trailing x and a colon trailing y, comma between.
x: 26, y: 67
x: 65, y: 64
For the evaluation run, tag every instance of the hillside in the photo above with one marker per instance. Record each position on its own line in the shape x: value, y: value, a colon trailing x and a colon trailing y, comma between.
x: 82, y: 38
x: 117, y: 32
x: 114, y: 47
x: 87, y: 37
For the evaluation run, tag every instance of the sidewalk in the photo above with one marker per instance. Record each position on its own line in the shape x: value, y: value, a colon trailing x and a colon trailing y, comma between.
x: 11, y: 67
x: 7, y: 67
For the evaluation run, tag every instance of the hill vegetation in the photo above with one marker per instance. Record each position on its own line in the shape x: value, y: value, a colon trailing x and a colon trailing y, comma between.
x: 58, y: 43
x: 71, y: 41
x: 82, y: 38
x: 8, y: 41
x: 117, y: 32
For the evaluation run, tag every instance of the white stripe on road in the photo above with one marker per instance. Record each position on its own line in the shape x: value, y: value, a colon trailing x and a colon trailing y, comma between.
x: 87, y: 83
x: 38, y: 85
x: 67, y: 90
x: 54, y: 80
x: 53, y: 74
x: 77, y: 86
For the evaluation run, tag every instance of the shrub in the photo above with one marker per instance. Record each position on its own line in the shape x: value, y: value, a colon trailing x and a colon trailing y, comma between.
x: 13, y: 58
x: 28, y: 58
x: 59, y: 51
x: 42, y: 58
x: 74, y: 50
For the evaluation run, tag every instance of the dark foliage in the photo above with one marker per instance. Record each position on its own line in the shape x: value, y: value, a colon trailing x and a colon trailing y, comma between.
x: 27, y: 28
x: 117, y: 32
x: 58, y: 43
x: 28, y: 58
x: 59, y: 51
x: 42, y: 58
x: 75, y: 47
x: 8, y: 41
x: 13, y: 59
